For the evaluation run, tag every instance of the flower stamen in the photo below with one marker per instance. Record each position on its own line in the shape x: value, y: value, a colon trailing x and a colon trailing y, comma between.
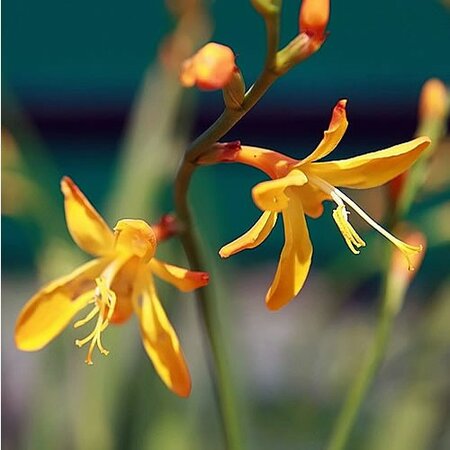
x: 105, y: 302
x: 351, y: 237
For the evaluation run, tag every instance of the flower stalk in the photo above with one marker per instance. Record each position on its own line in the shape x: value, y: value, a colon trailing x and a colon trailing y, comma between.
x: 395, y: 283
x: 225, y: 391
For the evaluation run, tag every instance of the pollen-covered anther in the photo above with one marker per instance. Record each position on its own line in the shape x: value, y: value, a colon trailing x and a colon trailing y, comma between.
x: 104, y: 303
x: 351, y: 237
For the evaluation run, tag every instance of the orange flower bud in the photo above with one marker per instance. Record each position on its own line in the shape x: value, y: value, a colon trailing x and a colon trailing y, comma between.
x: 212, y: 67
x: 314, y: 16
x: 434, y: 100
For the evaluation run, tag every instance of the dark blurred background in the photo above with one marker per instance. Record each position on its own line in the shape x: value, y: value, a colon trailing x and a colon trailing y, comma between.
x: 74, y: 69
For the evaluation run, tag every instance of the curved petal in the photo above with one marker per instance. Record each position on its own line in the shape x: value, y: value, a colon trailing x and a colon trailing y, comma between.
x: 49, y: 311
x: 295, y: 258
x: 86, y: 226
x: 123, y: 284
x: 183, y: 279
x: 372, y: 169
x: 161, y: 343
x: 312, y: 200
x: 269, y: 161
x: 332, y: 136
x: 271, y: 196
x: 252, y: 238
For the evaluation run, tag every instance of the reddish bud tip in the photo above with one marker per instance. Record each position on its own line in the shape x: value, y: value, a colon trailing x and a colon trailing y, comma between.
x: 314, y: 16
x: 200, y: 278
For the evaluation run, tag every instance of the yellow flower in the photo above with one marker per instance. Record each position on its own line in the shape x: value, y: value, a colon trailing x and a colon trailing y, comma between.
x: 299, y: 187
x: 117, y: 283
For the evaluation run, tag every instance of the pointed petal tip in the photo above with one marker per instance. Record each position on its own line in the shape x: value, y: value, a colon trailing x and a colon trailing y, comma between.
x: 425, y: 140
x: 68, y: 186
x: 274, y: 304
x: 183, y: 390
x: 202, y: 278
x: 65, y: 184
x: 223, y: 253
x: 339, y: 113
x: 22, y: 345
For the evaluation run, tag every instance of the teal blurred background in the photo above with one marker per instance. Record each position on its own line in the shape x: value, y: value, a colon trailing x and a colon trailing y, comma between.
x: 71, y: 72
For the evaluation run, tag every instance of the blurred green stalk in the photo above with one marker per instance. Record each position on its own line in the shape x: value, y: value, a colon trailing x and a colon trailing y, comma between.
x: 393, y: 292
x: 208, y: 303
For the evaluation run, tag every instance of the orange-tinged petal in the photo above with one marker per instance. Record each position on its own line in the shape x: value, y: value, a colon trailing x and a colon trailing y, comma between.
x: 183, y: 279
x: 49, y: 311
x: 253, y: 237
x: 371, y: 169
x: 271, y: 196
x: 332, y: 136
x: 161, y: 343
x: 295, y: 258
x: 85, y: 224
x: 273, y: 163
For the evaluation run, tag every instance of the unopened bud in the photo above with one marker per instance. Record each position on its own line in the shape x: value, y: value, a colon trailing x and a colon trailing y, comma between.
x: 234, y: 91
x: 212, y: 67
x: 313, y: 18
x: 11, y: 157
x: 434, y: 100
x: 299, y: 49
x: 266, y: 7
x: 220, y: 152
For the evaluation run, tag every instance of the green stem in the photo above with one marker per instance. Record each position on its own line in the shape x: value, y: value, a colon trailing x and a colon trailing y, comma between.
x: 208, y: 307
x: 393, y: 293
x: 391, y: 299
x: 207, y: 303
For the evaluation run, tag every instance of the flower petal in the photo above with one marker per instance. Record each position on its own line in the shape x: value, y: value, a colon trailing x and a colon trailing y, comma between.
x: 49, y: 311
x: 161, y: 343
x: 183, y: 279
x: 124, y: 285
x: 312, y: 199
x: 295, y: 258
x: 270, y: 195
x: 253, y: 237
x: 86, y: 226
x: 372, y: 169
x: 332, y: 136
